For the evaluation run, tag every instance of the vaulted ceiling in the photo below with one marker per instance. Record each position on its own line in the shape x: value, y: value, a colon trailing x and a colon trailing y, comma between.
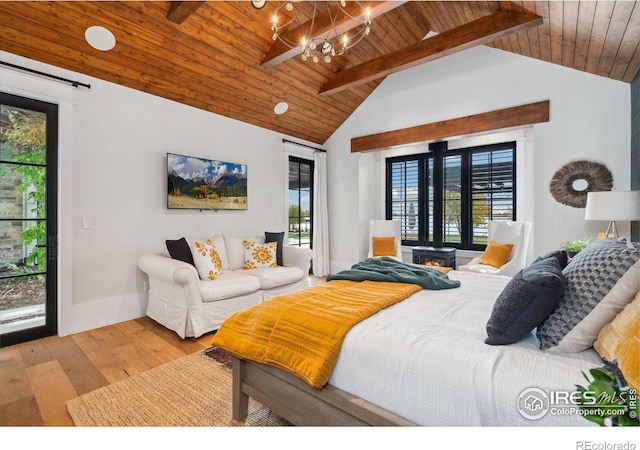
x: 211, y: 55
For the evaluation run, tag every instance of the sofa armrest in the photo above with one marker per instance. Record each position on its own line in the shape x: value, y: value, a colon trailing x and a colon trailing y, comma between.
x: 296, y: 256
x: 171, y: 280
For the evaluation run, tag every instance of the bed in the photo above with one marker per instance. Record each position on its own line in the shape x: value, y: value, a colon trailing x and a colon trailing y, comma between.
x: 423, y: 361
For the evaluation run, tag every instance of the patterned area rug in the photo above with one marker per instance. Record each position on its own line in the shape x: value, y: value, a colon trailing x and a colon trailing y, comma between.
x: 219, y: 355
x: 188, y: 392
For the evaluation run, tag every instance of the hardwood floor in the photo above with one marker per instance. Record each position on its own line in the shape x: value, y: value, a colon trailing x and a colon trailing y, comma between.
x: 37, y: 378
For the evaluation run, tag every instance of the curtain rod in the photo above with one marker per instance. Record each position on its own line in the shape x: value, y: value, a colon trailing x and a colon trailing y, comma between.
x: 304, y: 145
x: 71, y: 82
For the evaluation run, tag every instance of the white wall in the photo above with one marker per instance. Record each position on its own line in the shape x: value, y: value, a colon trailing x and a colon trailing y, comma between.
x: 113, y: 145
x: 589, y: 119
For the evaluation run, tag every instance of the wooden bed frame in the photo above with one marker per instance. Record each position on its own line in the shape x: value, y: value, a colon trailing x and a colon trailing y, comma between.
x: 297, y: 402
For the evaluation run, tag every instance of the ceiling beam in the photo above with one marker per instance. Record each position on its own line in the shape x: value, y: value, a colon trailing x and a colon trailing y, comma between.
x: 490, y: 121
x: 180, y: 11
x: 477, y: 32
x: 279, y: 52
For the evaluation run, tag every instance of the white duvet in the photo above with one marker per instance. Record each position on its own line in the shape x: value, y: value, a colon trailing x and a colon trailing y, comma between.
x: 425, y: 359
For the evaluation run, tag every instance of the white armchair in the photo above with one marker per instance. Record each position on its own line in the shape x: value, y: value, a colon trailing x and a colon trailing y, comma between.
x: 386, y: 229
x: 507, y: 232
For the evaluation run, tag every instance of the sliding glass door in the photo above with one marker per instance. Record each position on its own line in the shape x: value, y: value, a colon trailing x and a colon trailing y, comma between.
x: 28, y: 219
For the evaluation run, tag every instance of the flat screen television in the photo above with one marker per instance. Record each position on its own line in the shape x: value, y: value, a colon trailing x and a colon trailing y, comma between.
x: 199, y: 183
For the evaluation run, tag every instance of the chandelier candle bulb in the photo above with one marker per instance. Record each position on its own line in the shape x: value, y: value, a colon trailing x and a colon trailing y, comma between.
x: 323, y: 27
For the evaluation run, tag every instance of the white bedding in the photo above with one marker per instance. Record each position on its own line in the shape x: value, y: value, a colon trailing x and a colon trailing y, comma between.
x: 425, y: 359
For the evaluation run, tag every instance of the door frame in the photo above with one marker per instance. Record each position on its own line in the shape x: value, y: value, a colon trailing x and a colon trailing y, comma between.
x: 50, y: 327
x: 311, y: 164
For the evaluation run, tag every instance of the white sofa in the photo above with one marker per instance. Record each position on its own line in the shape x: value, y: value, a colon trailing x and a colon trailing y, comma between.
x: 190, y: 306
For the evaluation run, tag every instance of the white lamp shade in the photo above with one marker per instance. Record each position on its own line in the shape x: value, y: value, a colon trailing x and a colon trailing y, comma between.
x: 613, y: 205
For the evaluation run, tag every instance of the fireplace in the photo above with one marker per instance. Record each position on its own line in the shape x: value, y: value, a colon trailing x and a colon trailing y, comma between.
x: 432, y: 256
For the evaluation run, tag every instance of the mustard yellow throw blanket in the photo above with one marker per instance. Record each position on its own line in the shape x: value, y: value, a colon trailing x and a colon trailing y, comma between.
x: 302, y: 332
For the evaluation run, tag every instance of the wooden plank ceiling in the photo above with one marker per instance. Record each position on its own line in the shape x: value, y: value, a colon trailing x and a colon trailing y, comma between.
x: 209, y: 54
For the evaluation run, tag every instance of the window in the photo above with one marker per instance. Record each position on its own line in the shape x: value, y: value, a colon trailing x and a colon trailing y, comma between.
x: 447, y: 197
x: 300, y: 202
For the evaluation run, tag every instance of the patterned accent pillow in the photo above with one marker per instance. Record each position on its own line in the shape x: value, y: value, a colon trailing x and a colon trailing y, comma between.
x: 206, y: 259
x: 601, y: 280
x: 256, y: 255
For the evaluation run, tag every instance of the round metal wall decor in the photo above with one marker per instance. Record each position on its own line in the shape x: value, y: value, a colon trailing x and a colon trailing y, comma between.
x: 571, y: 183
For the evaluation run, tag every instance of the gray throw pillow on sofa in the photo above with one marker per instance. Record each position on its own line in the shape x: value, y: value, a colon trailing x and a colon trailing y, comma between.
x: 525, y: 302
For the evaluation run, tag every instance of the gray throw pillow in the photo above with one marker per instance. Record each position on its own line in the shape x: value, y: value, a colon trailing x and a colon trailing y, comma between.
x: 525, y: 302
x: 601, y: 280
x: 561, y: 255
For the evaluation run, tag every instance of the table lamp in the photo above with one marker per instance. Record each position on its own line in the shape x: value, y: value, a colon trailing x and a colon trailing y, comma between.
x: 613, y: 206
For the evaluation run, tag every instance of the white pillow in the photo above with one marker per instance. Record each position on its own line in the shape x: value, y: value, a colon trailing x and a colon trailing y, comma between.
x: 206, y: 259
x: 256, y: 255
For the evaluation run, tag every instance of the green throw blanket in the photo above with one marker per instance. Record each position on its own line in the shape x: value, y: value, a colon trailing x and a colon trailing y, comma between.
x: 389, y: 269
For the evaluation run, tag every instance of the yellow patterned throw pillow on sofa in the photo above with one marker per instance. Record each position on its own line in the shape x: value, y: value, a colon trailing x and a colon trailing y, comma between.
x: 620, y: 339
x: 496, y: 254
x: 256, y: 255
x: 207, y: 260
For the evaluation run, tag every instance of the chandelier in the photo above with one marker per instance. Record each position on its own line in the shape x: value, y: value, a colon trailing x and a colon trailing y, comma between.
x: 320, y: 36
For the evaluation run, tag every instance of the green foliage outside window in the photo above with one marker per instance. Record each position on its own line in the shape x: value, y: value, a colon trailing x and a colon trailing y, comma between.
x: 25, y: 141
x: 452, y: 210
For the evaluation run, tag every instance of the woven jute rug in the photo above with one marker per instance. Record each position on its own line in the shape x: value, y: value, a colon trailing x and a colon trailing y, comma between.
x: 188, y: 392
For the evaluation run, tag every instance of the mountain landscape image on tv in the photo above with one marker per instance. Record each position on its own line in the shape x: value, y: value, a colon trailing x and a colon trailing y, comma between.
x: 199, y: 183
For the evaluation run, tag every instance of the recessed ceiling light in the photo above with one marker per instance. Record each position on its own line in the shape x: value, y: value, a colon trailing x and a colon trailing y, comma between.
x: 100, y: 38
x: 281, y: 108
